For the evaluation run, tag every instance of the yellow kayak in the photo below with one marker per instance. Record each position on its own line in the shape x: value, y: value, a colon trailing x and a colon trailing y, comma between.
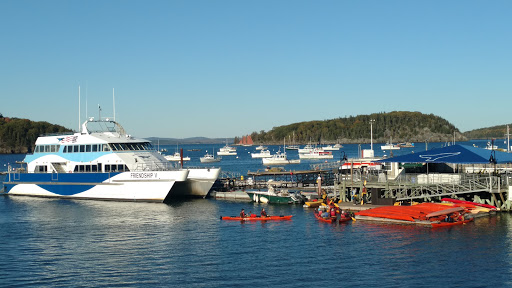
x: 314, y: 204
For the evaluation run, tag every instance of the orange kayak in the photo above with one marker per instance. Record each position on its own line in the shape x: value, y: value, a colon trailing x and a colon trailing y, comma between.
x: 328, y: 220
x: 238, y: 218
x: 445, y: 224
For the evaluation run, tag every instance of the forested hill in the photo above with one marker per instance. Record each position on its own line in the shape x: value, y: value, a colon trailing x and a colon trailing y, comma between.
x: 398, y: 125
x: 487, y: 133
x: 19, y: 135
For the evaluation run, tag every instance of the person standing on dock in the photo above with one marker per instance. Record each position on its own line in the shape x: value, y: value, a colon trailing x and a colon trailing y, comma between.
x: 364, y: 197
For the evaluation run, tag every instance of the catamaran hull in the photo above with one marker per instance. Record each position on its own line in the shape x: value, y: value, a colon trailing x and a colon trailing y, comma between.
x: 198, y: 183
x: 153, y: 186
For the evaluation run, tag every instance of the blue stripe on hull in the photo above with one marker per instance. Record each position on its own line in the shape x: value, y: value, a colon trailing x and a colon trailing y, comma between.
x: 60, y: 184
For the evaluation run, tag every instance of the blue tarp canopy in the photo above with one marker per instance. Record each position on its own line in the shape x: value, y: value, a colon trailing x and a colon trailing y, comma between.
x: 456, y: 154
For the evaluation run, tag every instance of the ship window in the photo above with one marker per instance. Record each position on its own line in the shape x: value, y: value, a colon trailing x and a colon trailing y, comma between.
x: 88, y: 148
x: 75, y: 148
x: 94, y: 148
x: 46, y: 148
x: 81, y: 168
x: 113, y: 168
x: 88, y: 168
x: 65, y: 149
x: 76, y: 169
x: 120, y: 167
x: 105, y: 148
x: 94, y: 168
x: 107, y: 168
x: 82, y: 148
x: 41, y: 169
x: 54, y: 148
x: 125, y: 147
x: 37, y: 149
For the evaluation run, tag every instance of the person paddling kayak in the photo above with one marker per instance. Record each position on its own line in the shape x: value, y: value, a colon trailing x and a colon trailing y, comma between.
x: 242, y: 213
x: 263, y: 213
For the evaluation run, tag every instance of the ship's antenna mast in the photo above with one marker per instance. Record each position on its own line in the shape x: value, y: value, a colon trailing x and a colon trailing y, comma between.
x: 79, y: 109
x: 114, y: 100
x: 86, y: 105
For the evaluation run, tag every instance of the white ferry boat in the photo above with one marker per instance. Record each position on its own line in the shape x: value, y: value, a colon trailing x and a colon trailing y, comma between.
x: 100, y: 162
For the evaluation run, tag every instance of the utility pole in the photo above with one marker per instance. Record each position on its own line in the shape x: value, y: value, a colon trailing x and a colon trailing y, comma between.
x: 371, y: 133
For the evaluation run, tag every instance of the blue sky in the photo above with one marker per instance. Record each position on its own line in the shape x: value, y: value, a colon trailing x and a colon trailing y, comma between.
x: 228, y: 68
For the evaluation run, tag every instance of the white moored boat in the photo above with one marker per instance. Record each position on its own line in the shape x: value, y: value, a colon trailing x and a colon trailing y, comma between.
x: 316, y: 154
x: 278, y: 159
x: 209, y: 158
x: 176, y: 157
x: 262, y: 154
x: 100, y: 162
x: 227, y: 151
x: 390, y: 146
x: 261, y: 147
x: 331, y: 148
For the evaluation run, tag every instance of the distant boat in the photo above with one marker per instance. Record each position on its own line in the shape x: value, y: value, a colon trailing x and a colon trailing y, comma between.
x: 316, y: 154
x: 331, y: 148
x: 246, y: 141
x: 261, y: 154
x: 176, y: 157
x: 227, y: 151
x: 279, y: 158
x: 209, y: 158
x: 293, y: 146
x: 307, y: 149
x: 405, y: 145
x: 389, y: 146
x: 491, y: 146
x: 261, y: 147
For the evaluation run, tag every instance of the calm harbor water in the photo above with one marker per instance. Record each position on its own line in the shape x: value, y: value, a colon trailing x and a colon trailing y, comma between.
x: 84, y: 243
x: 66, y: 243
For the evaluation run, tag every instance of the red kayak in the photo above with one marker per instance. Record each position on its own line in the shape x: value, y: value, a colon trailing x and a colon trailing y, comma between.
x: 345, y: 219
x: 445, y: 224
x: 326, y: 220
x: 257, y: 218
x: 468, y: 202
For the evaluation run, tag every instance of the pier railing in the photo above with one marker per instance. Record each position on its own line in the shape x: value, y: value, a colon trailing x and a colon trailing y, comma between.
x: 428, y: 186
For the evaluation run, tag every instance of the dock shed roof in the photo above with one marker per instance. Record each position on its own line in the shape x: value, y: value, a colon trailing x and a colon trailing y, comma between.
x: 456, y: 154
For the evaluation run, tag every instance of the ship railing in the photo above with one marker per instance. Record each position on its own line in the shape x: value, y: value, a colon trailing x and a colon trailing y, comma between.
x: 156, y: 166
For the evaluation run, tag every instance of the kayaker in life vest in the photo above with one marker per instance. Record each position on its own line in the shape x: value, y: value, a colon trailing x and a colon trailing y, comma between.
x: 333, y: 212
x: 242, y: 213
x: 263, y: 213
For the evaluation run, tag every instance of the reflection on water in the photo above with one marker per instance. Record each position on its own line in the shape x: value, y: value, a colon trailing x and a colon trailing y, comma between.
x: 49, y: 242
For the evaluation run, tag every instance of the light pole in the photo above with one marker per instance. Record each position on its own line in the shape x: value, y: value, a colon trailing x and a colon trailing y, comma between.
x: 371, y: 133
